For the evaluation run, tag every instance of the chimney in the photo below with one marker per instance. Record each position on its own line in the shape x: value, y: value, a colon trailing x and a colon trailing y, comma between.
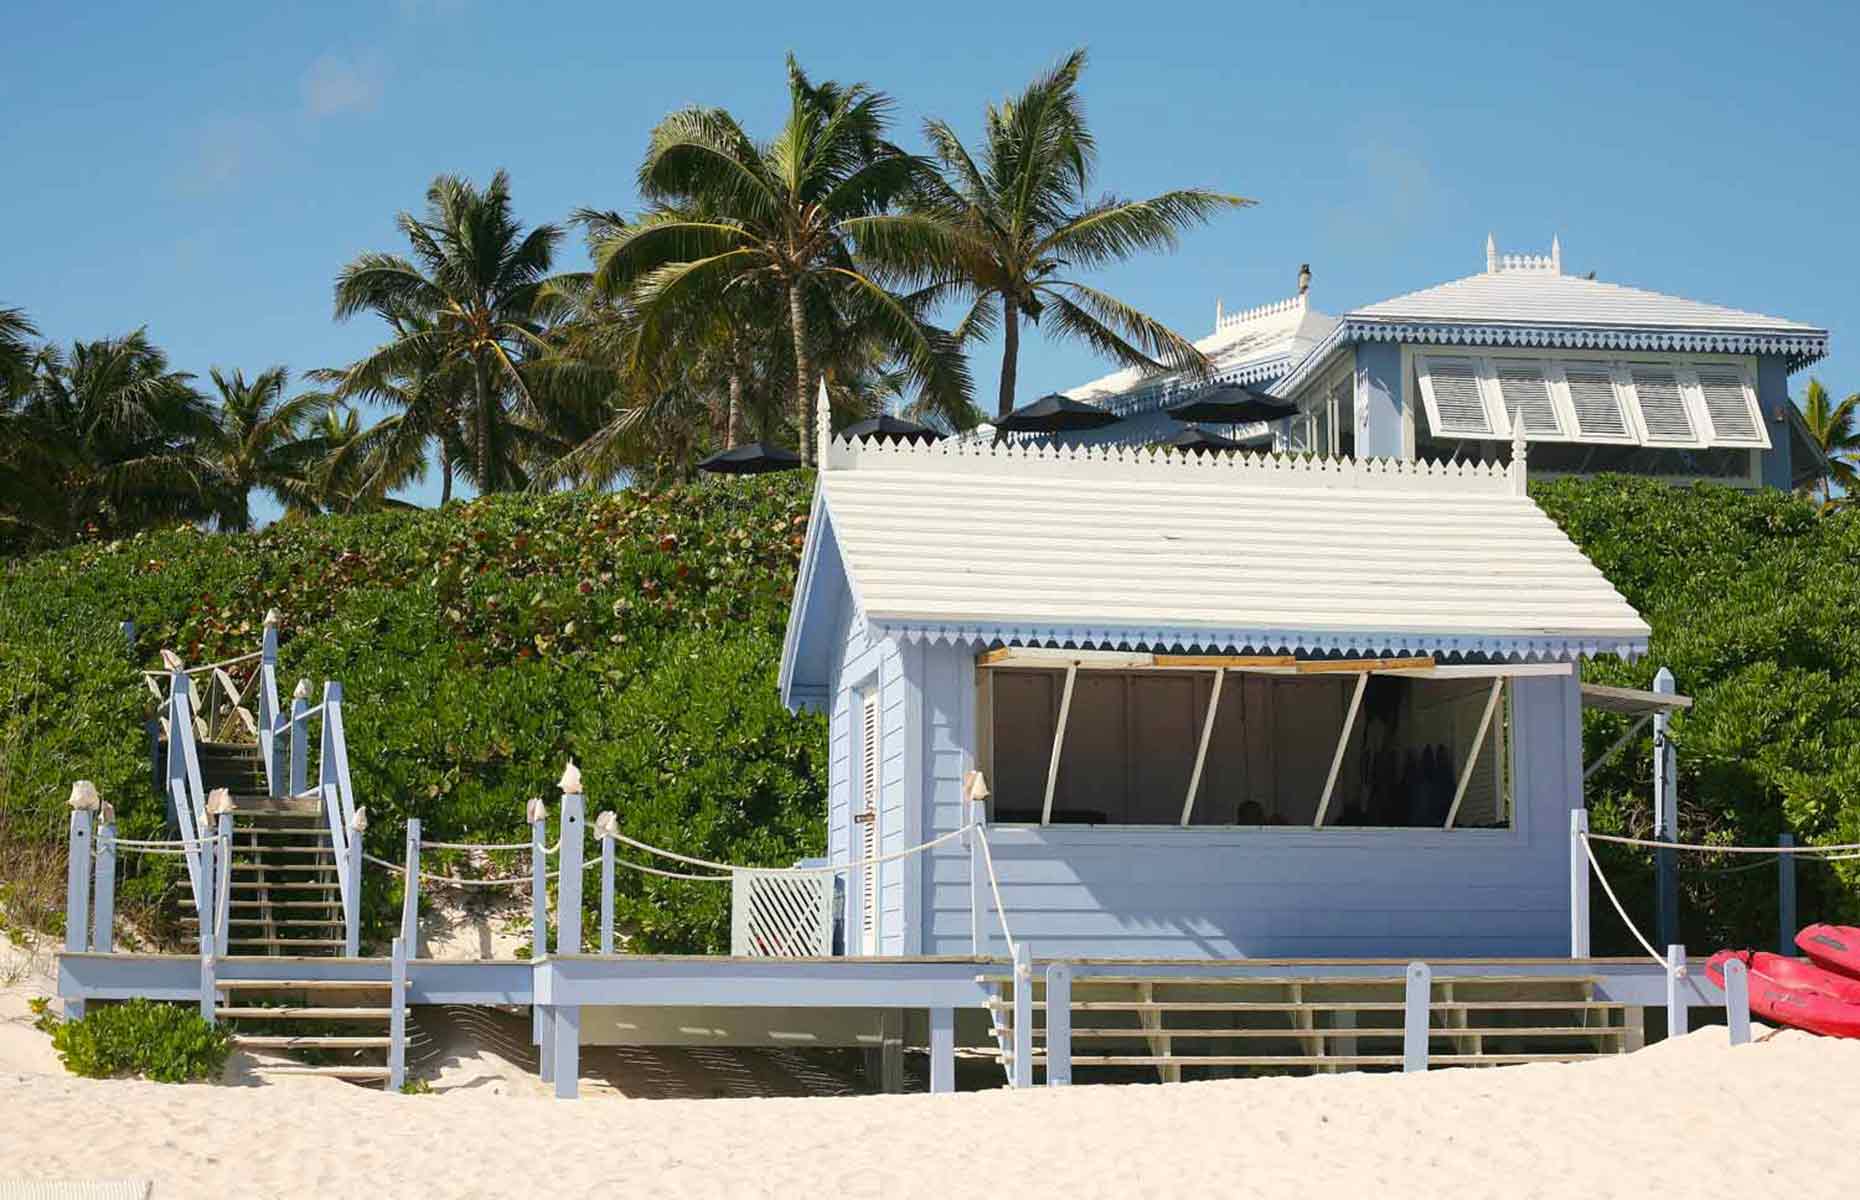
x: 1304, y: 278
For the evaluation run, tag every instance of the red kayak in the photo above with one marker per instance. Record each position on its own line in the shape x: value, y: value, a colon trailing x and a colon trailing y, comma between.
x: 1791, y: 992
x: 1832, y: 947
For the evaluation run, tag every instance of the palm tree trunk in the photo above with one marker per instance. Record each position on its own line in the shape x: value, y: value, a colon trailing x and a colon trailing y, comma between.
x: 445, y: 473
x: 481, y: 374
x: 739, y: 371
x: 797, y: 323
x: 1010, y: 354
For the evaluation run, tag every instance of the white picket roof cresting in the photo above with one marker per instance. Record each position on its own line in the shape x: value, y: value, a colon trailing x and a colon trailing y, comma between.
x: 1129, y: 548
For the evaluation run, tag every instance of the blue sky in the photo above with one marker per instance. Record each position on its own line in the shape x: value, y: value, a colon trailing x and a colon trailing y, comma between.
x: 206, y: 169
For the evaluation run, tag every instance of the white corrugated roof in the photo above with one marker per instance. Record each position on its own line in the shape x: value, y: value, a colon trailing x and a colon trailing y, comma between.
x: 1110, y: 547
x: 1546, y: 297
x: 1285, y: 329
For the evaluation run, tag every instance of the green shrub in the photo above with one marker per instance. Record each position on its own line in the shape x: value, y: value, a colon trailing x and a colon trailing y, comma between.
x: 169, y: 1043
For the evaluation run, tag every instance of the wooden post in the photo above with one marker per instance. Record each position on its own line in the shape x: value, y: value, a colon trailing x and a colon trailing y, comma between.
x: 891, y: 1051
x: 103, y: 916
x: 607, y: 894
x: 1578, y: 883
x: 397, y: 1018
x: 565, y: 1024
x: 352, y: 894
x: 78, y: 868
x: 222, y: 879
x: 1737, y: 1000
x: 1665, y: 818
x: 1785, y: 896
x: 267, y: 701
x: 1678, y: 1016
x: 300, y: 738
x: 977, y: 881
x: 942, y: 1050
x: 410, y: 892
x: 1023, y: 1016
x: 568, y: 858
x: 539, y: 915
x: 545, y: 1041
x: 206, y: 980
x: 1058, y: 1025
x: 1416, y: 1006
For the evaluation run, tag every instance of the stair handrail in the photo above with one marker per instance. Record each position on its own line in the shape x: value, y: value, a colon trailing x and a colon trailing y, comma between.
x: 184, y: 791
x: 269, y: 718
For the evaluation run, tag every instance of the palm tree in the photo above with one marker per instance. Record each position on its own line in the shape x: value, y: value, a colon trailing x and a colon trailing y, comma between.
x: 352, y: 474
x: 1835, y: 428
x: 428, y: 396
x: 1020, y: 224
x: 263, y: 441
x: 469, y: 305
x: 16, y: 350
x: 104, y: 439
x: 791, y: 217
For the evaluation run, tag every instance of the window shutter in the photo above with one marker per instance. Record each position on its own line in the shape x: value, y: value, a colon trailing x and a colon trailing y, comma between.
x: 1597, y: 407
x: 1728, y: 405
x: 1456, y: 406
x: 1526, y: 392
x: 1663, y: 406
x: 868, y: 821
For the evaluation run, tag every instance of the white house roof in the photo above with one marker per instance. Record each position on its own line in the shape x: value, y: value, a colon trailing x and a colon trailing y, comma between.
x: 1258, y: 343
x: 1543, y: 297
x: 1109, y: 548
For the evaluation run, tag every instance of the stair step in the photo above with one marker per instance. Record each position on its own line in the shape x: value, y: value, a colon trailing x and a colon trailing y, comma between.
x: 356, y: 1072
x: 287, y: 848
x: 287, y: 922
x: 1323, y: 1005
x: 1338, y: 1060
x: 302, y: 985
x: 260, y: 1013
x: 325, y: 905
x: 301, y: 830
x: 1397, y: 981
x: 250, y: 1042
x: 260, y: 868
x: 284, y: 887
x: 258, y: 941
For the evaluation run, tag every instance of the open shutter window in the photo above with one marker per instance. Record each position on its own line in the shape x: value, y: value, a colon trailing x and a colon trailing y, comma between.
x: 1663, y: 410
x: 1455, y: 402
x: 867, y: 819
x: 1597, y: 407
x: 1526, y: 392
x: 1728, y: 405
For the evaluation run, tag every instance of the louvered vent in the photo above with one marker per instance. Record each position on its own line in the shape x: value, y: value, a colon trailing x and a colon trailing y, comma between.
x: 1527, y: 393
x: 868, y: 822
x: 1727, y: 405
x: 1598, y: 408
x: 1662, y: 406
x: 1459, y: 408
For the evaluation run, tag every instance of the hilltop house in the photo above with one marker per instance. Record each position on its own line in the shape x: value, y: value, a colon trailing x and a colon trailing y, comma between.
x: 1601, y: 377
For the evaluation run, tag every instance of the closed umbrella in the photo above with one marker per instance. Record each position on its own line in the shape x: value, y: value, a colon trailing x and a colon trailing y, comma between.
x: 756, y: 458
x: 1232, y: 404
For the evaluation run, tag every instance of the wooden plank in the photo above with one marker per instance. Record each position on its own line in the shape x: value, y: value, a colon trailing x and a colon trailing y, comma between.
x: 1472, y: 757
x: 1321, y: 666
x: 1364, y: 1033
x: 1201, y: 750
x: 1343, y: 744
x: 1331, y: 1005
x: 1296, y: 1060
x: 1059, y: 742
x: 1205, y: 661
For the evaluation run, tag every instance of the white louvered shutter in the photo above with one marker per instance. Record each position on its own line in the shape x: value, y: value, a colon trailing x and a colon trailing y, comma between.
x: 1597, y: 407
x: 868, y: 822
x: 1663, y: 409
x: 1455, y: 403
x: 1526, y: 392
x: 1728, y: 406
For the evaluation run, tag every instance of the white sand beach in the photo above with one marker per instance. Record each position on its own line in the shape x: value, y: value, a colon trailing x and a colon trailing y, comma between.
x: 1694, y: 1113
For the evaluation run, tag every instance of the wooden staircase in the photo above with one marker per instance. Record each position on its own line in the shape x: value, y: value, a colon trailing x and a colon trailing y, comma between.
x: 1134, y: 1027
x: 341, y: 1027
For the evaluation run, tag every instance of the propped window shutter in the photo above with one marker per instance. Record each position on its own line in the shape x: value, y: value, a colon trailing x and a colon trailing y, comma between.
x: 868, y: 820
x: 1663, y: 406
x: 1597, y: 407
x: 1728, y: 406
x: 1456, y: 405
x: 1527, y: 393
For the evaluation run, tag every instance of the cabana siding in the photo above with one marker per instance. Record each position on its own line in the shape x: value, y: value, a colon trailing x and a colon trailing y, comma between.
x: 1225, y: 892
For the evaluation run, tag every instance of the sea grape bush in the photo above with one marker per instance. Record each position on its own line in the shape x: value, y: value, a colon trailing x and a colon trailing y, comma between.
x: 169, y: 1043
x: 481, y: 646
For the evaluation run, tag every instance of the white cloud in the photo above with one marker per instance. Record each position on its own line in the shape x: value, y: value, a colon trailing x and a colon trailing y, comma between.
x: 335, y: 84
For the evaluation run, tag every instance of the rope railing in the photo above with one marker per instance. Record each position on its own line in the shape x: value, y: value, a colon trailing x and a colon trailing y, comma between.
x: 1851, y: 848
x: 205, y: 667
x: 825, y: 869
x: 1609, y: 891
x: 994, y: 888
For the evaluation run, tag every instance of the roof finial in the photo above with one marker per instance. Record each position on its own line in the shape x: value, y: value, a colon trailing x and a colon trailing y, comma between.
x: 1556, y: 255
x: 823, y: 425
x: 1491, y: 254
x: 1304, y: 278
x: 1217, y: 314
x: 1520, y: 455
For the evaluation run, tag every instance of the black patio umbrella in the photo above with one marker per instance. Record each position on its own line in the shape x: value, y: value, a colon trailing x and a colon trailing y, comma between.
x: 887, y: 428
x: 756, y: 458
x: 1200, y: 441
x: 1231, y: 404
x: 1056, y: 414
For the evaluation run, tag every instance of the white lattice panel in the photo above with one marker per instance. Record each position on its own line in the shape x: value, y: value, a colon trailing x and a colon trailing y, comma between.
x: 781, y: 914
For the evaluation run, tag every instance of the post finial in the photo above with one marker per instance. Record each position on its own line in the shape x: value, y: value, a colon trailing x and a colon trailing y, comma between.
x: 1491, y: 254
x: 302, y: 690
x: 1520, y: 455
x: 536, y: 811
x: 607, y: 825
x: 84, y: 796
x: 1556, y: 255
x: 219, y: 800
x: 271, y: 617
x: 359, y: 822
x: 172, y: 661
x: 974, y: 786
x: 571, y: 779
x: 107, y: 813
x: 823, y: 424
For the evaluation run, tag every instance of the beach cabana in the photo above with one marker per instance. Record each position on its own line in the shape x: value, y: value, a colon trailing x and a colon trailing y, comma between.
x: 1220, y: 707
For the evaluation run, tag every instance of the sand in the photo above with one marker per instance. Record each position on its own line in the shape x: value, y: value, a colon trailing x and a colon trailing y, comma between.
x: 1781, y: 1114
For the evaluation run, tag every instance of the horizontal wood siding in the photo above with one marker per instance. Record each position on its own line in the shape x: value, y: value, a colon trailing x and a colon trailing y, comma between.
x: 1206, y: 892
